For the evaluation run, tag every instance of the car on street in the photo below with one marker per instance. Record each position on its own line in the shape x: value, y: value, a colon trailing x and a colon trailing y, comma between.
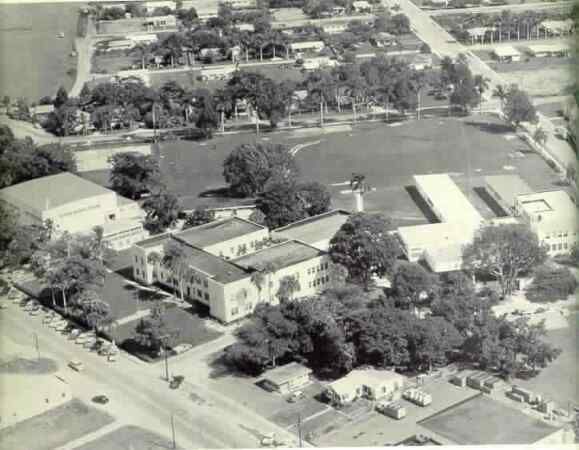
x: 100, y: 399
x: 74, y: 333
x: 77, y: 365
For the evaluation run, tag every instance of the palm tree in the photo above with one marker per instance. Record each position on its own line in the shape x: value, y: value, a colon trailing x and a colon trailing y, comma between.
x: 154, y: 258
x: 482, y: 84
x: 145, y: 52
x: 269, y: 269
x: 257, y: 278
x: 502, y: 93
x: 359, y: 188
x: 288, y: 286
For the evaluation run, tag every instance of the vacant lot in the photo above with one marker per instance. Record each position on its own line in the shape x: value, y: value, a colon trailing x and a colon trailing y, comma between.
x: 54, y: 428
x: 129, y: 437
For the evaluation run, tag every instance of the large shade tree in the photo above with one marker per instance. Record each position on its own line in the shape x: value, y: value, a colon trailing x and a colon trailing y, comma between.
x: 504, y: 252
x: 364, y: 246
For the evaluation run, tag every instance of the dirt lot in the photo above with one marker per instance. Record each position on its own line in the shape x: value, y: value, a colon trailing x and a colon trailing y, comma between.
x: 54, y: 428
x: 129, y: 437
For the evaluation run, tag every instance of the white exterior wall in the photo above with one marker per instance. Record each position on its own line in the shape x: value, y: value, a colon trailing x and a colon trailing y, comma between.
x: 232, y: 247
x: 83, y: 215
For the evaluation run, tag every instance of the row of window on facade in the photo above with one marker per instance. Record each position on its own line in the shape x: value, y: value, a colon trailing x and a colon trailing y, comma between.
x: 317, y: 269
x: 319, y: 281
x: 246, y: 309
x: 560, y: 234
x: 556, y: 247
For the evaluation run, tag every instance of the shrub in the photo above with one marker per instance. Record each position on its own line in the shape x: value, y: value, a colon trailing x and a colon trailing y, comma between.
x: 551, y: 284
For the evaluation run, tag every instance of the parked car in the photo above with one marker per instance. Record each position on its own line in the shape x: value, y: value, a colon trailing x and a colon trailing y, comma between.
x: 176, y: 381
x: 74, y: 333
x: 100, y: 399
x: 35, y: 312
x: 63, y: 327
x: 295, y: 396
x: 77, y: 365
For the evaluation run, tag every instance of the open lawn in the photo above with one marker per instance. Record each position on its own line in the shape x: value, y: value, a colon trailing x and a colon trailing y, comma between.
x: 190, y: 326
x: 389, y: 155
x: 54, y: 428
x: 129, y: 437
x: 113, y: 62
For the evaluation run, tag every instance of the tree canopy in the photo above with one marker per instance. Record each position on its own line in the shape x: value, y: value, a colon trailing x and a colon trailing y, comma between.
x: 134, y: 174
x: 249, y: 167
x: 504, y: 252
x: 518, y: 107
x: 365, y: 248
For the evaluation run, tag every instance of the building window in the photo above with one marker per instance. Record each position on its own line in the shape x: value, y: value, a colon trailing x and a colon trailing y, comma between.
x: 137, y: 272
x: 199, y: 293
x: 205, y: 283
x: 310, y: 284
x: 206, y: 296
x: 136, y: 258
x: 560, y: 246
x: 565, y: 246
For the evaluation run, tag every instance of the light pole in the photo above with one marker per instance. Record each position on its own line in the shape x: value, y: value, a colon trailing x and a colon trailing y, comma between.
x: 173, y: 430
x: 36, y: 346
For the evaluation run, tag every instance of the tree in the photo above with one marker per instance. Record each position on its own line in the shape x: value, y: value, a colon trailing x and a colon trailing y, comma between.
x: 551, y: 284
x: 206, y: 113
x: 24, y: 241
x: 574, y: 255
x: 364, y: 246
x: 249, y: 167
x: 257, y: 217
x: 22, y: 160
x: 316, y: 197
x: 412, y: 283
x: 571, y: 173
x: 162, y: 211
x: 153, y: 331
x: 379, y: 334
x: 199, y: 216
x: 134, y: 174
x: 281, y: 203
x: 176, y: 259
x: 431, y: 341
x: 399, y: 24
x: 288, y: 286
x: 90, y: 308
x: 504, y: 252
x: 61, y: 98
x: 8, y: 229
x: 519, y: 108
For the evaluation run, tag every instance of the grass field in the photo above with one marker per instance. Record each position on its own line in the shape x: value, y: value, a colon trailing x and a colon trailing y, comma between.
x: 129, y: 437
x: 470, y: 148
x: 54, y: 428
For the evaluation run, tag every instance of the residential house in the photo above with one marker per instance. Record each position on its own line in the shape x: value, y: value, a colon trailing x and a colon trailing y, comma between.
x: 370, y: 383
x: 287, y: 378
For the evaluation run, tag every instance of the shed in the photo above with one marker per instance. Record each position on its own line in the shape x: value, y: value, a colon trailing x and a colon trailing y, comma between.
x: 285, y: 379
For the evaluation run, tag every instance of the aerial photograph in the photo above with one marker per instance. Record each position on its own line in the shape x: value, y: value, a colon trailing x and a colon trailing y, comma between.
x: 288, y: 223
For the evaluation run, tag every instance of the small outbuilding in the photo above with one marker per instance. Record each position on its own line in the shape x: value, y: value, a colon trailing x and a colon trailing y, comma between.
x: 287, y: 378
x: 506, y: 53
x: 371, y: 383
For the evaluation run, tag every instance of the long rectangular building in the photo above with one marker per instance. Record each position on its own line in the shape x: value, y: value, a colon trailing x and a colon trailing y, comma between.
x: 446, y: 199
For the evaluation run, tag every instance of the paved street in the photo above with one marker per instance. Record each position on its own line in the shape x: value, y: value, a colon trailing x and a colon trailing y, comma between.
x: 443, y: 44
x: 565, y: 5
x: 139, y: 395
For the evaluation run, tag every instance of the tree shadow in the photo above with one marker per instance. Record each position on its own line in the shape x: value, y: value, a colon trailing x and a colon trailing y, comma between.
x: 490, y: 127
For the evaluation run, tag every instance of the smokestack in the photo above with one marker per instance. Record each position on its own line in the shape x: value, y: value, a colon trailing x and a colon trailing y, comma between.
x: 359, y: 201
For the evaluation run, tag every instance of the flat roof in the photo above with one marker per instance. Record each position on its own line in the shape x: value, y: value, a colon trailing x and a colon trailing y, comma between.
x: 53, y: 191
x: 483, y: 421
x: 316, y: 228
x: 217, y: 268
x: 437, y: 234
x: 359, y: 377
x: 508, y: 187
x: 154, y: 241
x: 287, y: 372
x: 447, y: 198
x: 307, y: 44
x: 218, y: 231
x: 506, y: 50
x: 558, y: 203
x: 281, y: 255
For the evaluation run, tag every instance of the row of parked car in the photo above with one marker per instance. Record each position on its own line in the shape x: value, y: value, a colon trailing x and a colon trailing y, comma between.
x: 88, y: 339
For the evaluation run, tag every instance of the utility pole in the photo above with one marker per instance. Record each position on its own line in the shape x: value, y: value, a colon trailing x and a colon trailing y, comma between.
x: 300, y: 442
x: 37, y: 346
x: 173, y: 430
